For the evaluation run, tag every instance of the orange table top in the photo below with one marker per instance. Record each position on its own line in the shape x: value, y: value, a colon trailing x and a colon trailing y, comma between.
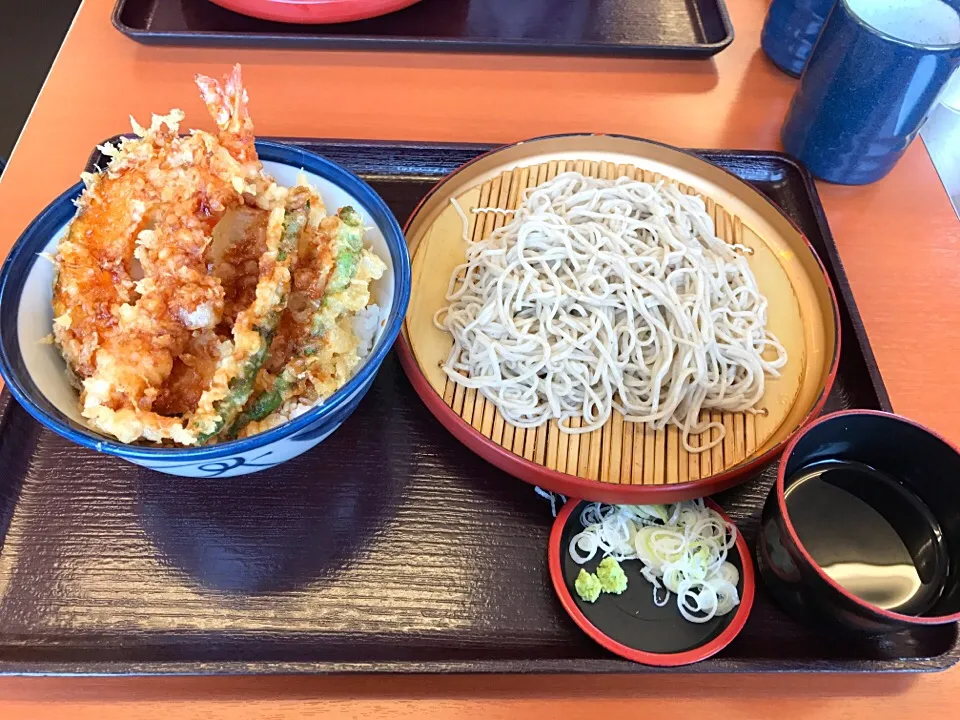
x: 899, y: 239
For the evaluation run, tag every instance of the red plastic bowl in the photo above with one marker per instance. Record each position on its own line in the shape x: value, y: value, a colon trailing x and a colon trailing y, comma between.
x: 314, y: 11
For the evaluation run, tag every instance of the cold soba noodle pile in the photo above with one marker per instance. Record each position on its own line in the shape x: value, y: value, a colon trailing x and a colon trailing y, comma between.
x: 603, y: 295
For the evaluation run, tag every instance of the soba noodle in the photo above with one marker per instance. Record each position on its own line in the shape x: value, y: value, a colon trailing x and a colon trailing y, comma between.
x: 609, y: 295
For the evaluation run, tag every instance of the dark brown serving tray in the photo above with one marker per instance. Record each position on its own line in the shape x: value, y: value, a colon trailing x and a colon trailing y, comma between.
x: 626, y: 28
x: 388, y: 548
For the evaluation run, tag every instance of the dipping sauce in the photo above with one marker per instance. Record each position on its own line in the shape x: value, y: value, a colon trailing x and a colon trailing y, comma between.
x: 870, y: 534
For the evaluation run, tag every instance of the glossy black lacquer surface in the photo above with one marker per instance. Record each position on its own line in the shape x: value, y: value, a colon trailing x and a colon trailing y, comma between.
x: 388, y: 548
x: 632, y: 618
x: 629, y: 28
x: 918, y: 464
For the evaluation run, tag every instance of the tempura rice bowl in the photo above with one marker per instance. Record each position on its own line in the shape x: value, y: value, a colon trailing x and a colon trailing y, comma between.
x: 36, y: 373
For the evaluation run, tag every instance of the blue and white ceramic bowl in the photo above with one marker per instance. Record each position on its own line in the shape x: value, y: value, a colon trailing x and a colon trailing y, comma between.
x: 36, y: 374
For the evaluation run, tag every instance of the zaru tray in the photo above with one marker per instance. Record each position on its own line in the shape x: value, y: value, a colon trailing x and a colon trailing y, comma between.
x: 622, y: 461
x: 625, y: 28
x: 388, y: 548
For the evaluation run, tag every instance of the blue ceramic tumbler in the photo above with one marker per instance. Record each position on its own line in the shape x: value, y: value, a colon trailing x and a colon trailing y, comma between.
x: 872, y: 79
x: 790, y: 31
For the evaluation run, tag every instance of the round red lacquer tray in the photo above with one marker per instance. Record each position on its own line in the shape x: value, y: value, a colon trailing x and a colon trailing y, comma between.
x: 623, y: 462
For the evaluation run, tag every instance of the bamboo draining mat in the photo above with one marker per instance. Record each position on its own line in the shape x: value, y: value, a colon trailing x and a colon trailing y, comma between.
x: 620, y: 452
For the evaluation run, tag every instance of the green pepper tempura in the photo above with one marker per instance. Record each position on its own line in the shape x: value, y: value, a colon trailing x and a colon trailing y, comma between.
x: 611, y: 576
x: 588, y: 587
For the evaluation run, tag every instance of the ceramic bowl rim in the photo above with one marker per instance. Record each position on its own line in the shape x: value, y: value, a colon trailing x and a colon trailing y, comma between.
x: 944, y: 49
x: 60, y: 210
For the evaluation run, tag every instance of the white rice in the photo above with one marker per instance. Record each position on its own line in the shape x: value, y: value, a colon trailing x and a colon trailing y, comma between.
x: 365, y: 325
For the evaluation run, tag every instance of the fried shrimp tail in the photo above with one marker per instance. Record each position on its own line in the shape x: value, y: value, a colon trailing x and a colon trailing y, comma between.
x: 227, y: 104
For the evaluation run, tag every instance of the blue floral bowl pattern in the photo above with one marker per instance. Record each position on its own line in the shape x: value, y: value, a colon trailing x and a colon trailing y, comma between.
x: 36, y: 375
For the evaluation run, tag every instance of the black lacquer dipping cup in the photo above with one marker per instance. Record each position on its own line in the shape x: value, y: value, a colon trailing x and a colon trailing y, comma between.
x: 862, y: 529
